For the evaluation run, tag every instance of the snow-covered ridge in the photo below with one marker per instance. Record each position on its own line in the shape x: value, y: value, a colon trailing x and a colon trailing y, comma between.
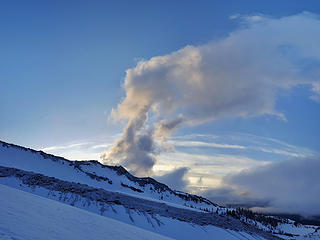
x: 93, y: 173
x: 104, y: 197
x: 113, y: 192
x: 151, y: 215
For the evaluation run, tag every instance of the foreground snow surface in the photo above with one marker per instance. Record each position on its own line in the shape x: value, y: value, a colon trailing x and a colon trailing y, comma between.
x: 24, y: 216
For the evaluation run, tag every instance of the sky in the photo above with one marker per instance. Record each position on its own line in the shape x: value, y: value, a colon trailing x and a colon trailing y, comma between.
x: 202, y: 95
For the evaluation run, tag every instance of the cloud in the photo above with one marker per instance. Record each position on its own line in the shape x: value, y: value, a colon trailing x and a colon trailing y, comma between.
x: 81, y: 150
x: 106, y: 145
x: 175, y: 179
x: 205, y: 144
x: 239, y: 76
x: 208, y: 168
x: 165, y: 128
x: 240, y: 144
x: 64, y: 147
x: 247, y: 18
x: 278, y: 151
x: 228, y: 196
x: 290, y: 186
x: 211, y: 168
x: 316, y: 90
x: 135, y: 151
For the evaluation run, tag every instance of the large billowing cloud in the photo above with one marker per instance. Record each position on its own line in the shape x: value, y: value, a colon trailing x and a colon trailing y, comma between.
x: 290, y: 186
x: 238, y: 76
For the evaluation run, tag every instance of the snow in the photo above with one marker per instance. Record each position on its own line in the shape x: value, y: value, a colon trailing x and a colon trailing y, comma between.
x: 25, y: 216
x: 28, y: 160
x: 297, y: 230
x: 163, y: 224
x: 160, y: 201
x: 152, y: 222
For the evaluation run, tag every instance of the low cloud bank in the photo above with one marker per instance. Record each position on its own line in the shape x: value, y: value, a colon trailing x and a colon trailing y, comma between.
x: 290, y: 186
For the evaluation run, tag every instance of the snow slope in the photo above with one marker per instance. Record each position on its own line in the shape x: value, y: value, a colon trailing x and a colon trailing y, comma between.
x: 24, y: 216
x: 92, y: 173
x: 143, y: 202
x: 178, y: 223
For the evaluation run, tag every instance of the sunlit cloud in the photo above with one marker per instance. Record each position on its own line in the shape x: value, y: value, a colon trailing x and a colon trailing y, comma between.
x: 204, y: 144
x: 211, y: 168
x: 240, y: 75
x: 274, y: 146
x: 249, y: 144
x: 89, y: 150
x: 104, y: 146
x: 279, y: 152
x: 63, y: 147
x: 207, y: 169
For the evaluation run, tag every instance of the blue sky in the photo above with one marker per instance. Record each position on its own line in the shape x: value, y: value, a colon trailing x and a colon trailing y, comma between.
x: 63, y: 64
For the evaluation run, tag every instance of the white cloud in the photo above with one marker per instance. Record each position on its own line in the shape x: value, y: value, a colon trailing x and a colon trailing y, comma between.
x: 316, y: 90
x: 102, y: 146
x: 63, y: 147
x: 234, y: 16
x: 278, y: 151
x: 81, y: 150
x: 274, y: 146
x: 245, y: 144
x: 290, y: 186
x: 204, y: 144
x: 239, y: 76
x: 248, y: 18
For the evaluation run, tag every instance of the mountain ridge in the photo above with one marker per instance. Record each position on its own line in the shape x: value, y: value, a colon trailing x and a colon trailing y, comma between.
x: 120, y: 170
x: 113, y: 192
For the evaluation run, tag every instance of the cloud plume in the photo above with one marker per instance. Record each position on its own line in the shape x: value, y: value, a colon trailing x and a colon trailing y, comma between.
x: 238, y: 76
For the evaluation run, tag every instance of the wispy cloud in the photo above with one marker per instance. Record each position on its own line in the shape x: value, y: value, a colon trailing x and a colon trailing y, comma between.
x: 250, y: 144
x: 64, y: 147
x: 248, y: 18
x: 81, y: 150
x: 104, y: 146
x: 279, y: 152
x: 316, y: 90
x: 204, y: 144
x: 274, y: 146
